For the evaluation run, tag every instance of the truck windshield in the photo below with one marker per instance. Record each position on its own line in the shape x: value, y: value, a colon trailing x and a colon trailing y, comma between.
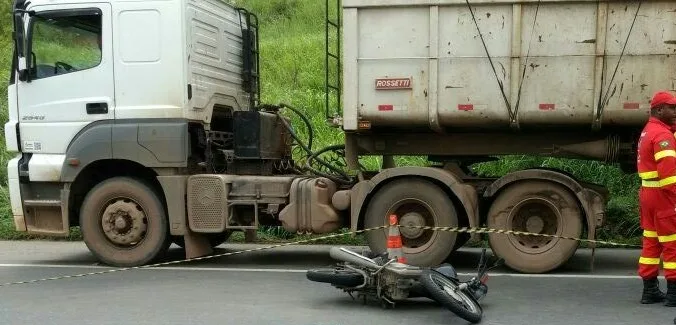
x: 65, y: 44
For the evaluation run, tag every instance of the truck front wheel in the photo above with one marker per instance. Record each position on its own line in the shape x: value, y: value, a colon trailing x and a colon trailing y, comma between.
x: 416, y: 202
x: 124, y: 223
x: 536, y: 207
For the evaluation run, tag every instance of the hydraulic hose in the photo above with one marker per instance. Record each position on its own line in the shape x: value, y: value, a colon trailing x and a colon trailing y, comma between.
x: 310, y: 130
x: 310, y: 155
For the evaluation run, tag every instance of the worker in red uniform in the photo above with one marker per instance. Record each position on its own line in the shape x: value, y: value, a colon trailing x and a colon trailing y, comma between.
x: 656, y: 161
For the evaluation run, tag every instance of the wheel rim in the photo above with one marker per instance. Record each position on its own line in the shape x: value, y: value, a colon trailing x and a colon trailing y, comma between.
x: 452, y: 290
x: 414, y: 212
x: 535, y: 215
x: 124, y: 222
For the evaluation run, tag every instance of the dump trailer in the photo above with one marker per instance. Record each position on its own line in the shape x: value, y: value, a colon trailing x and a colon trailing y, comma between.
x: 141, y: 122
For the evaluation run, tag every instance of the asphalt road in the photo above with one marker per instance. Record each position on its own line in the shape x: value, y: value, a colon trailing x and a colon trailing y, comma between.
x: 269, y: 287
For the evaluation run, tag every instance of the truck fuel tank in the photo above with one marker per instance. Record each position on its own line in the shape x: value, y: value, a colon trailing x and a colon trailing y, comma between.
x: 310, y: 208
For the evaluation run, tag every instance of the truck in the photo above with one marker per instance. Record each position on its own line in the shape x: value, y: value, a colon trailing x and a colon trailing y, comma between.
x: 141, y: 122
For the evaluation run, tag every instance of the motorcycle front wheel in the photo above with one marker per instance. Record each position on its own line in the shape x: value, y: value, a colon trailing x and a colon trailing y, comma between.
x: 446, y: 292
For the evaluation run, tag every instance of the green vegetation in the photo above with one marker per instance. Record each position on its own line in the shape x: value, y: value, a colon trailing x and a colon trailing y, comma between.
x: 292, y: 64
x: 6, y: 221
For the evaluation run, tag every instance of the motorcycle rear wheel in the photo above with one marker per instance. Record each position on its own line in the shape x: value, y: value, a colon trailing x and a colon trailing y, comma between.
x: 337, y: 277
x: 446, y: 292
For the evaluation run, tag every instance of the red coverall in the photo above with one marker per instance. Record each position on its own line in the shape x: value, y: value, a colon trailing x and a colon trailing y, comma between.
x: 657, y: 199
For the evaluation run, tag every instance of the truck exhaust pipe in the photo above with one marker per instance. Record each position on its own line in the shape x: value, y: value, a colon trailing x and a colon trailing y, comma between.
x: 605, y: 150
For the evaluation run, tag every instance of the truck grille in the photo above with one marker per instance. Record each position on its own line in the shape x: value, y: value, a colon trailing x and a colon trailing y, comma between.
x: 207, y: 203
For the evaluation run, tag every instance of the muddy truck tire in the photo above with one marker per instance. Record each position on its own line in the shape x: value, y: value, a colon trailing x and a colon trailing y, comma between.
x: 538, y: 207
x: 124, y: 223
x: 416, y: 202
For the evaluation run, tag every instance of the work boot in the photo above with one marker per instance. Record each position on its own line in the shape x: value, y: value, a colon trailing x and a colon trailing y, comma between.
x: 652, y: 293
x: 671, y: 294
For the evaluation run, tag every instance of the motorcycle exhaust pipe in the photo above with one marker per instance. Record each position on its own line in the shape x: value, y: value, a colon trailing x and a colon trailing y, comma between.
x: 346, y: 255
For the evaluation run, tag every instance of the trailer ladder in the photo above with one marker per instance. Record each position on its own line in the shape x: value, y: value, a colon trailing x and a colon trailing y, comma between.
x: 250, y: 56
x: 332, y: 87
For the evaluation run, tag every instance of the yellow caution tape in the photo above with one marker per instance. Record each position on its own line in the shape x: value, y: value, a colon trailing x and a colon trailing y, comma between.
x: 449, y: 229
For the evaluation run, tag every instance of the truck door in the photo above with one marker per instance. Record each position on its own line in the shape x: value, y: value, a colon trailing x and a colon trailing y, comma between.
x: 69, y: 81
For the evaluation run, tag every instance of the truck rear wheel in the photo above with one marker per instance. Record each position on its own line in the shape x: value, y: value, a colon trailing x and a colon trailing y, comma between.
x: 416, y: 202
x: 124, y: 223
x: 537, y: 207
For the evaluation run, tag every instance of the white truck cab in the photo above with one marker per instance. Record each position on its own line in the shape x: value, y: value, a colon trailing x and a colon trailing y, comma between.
x: 103, y: 88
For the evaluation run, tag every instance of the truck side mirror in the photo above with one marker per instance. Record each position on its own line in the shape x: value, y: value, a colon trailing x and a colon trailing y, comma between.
x: 25, y: 72
x: 20, y: 43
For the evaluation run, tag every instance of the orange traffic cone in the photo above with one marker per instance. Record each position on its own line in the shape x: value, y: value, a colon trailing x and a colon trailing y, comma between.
x: 394, y: 249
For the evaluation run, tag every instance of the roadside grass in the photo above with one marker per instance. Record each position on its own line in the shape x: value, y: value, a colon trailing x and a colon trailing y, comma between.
x: 276, y: 235
x: 292, y: 72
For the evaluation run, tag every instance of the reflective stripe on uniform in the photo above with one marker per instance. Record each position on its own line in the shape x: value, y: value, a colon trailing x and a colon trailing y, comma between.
x: 650, y: 183
x: 648, y: 175
x: 649, y: 260
x: 669, y: 265
x: 668, y: 181
x: 668, y: 238
x: 650, y: 234
x: 664, y: 153
x: 661, y: 183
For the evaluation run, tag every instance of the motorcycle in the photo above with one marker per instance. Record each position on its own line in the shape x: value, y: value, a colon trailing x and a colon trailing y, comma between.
x: 390, y: 281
